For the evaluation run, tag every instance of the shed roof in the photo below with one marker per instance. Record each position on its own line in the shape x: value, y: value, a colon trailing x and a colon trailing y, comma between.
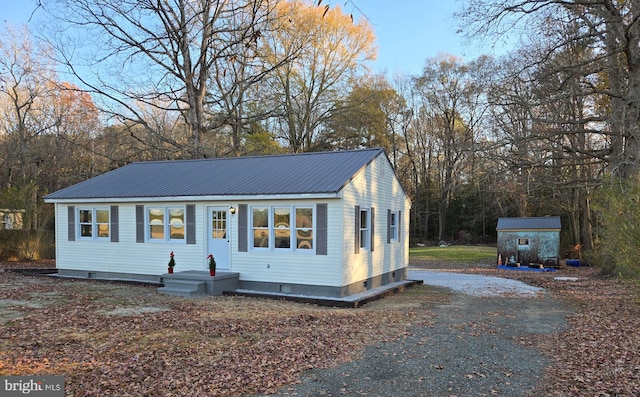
x: 545, y: 222
x: 306, y: 173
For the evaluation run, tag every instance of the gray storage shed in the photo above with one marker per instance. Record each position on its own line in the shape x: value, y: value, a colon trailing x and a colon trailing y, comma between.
x: 529, y: 240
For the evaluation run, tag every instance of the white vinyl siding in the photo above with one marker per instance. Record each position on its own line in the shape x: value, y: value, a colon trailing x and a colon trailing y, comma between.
x: 127, y: 256
x: 375, y: 187
x: 282, y: 266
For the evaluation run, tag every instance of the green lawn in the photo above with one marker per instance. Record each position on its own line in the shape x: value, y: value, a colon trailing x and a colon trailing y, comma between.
x: 460, y: 253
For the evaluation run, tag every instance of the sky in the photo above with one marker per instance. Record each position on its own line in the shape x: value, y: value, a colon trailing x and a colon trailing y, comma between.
x: 408, y: 32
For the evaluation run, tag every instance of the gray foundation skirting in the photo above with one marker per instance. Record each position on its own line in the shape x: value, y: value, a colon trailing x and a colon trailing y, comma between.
x: 112, y: 276
x: 326, y: 291
x: 251, y: 287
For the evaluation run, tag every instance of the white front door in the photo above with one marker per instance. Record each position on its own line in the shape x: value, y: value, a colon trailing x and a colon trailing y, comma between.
x: 218, y: 232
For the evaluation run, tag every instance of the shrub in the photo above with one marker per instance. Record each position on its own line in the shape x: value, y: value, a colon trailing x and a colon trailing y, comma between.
x: 26, y: 245
x: 616, y: 207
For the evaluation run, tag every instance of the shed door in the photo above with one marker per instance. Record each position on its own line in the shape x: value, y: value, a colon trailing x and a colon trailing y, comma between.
x: 218, y: 240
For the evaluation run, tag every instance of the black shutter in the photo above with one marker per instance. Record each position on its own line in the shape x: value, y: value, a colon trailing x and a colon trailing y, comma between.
x: 321, y: 229
x: 113, y: 227
x: 357, y: 236
x: 71, y: 223
x: 399, y: 222
x: 373, y: 222
x: 191, y: 224
x: 242, y: 228
x: 139, y: 223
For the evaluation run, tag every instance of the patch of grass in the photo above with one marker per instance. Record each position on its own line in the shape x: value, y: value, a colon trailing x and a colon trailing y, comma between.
x: 459, y: 253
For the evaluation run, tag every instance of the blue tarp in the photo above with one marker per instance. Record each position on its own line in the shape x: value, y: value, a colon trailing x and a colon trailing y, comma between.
x: 527, y: 268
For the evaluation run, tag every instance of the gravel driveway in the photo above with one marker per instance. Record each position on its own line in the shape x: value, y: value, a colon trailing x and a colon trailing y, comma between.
x: 476, y: 285
x: 477, y: 346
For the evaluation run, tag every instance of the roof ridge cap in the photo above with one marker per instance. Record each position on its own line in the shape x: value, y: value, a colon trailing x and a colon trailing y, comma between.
x: 255, y: 156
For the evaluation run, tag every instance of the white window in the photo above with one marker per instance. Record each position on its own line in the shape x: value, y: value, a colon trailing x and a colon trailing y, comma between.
x: 165, y: 223
x: 393, y: 226
x: 364, y: 228
x: 304, y: 228
x: 93, y: 223
x: 260, y: 226
x: 282, y: 228
x: 523, y: 242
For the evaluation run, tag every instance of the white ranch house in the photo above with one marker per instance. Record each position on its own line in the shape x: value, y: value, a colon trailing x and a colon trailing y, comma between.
x: 328, y: 223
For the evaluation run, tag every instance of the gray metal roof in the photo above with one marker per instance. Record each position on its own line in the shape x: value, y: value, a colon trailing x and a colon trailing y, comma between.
x: 306, y: 173
x: 545, y: 222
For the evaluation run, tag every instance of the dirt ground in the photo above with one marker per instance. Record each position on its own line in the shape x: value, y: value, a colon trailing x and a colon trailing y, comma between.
x: 473, y: 347
x: 580, y: 338
x: 118, y: 339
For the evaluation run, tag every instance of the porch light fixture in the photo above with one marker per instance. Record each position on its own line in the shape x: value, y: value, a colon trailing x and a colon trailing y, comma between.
x: 232, y: 210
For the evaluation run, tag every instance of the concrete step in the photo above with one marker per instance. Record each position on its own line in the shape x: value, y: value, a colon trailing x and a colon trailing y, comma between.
x: 186, y: 288
x: 178, y: 292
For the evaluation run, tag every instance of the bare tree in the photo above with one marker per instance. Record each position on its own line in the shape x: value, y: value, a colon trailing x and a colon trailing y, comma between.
x: 26, y: 84
x: 550, y: 123
x: 26, y: 81
x: 452, y: 95
x: 159, y: 53
x: 328, y: 49
x: 46, y: 126
x: 612, y: 29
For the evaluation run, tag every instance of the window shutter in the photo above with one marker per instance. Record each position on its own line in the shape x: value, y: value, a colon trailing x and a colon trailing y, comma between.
x: 71, y: 223
x: 399, y: 225
x: 191, y: 224
x: 139, y: 223
x: 242, y: 228
x: 388, y: 226
x: 321, y: 229
x: 357, y: 236
x: 373, y: 223
x: 113, y: 227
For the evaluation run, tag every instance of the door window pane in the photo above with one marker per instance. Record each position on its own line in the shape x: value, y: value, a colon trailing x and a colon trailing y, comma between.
x: 219, y: 224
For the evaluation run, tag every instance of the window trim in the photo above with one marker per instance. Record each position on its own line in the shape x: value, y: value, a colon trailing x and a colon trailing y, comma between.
x: 278, y: 227
x: 393, y: 226
x: 166, y: 224
x: 271, y: 229
x: 365, y: 244
x: 253, y: 228
x: 94, y: 224
x: 524, y: 241
x: 295, y: 245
